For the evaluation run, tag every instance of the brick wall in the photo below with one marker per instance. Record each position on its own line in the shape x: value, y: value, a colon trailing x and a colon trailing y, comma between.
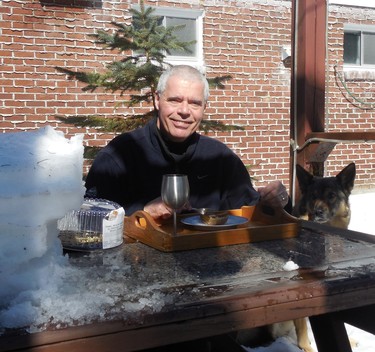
x: 241, y: 38
x: 346, y: 90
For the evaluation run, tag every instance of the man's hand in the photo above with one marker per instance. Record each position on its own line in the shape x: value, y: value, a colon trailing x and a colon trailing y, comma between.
x: 274, y: 195
x: 158, y: 210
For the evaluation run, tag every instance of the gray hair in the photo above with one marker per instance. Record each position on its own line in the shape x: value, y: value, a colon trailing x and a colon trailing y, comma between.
x: 184, y: 71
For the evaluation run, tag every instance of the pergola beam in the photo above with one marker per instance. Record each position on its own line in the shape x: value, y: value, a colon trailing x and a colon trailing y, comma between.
x: 309, y: 26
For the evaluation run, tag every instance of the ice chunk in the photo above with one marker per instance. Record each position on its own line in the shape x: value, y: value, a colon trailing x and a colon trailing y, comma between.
x: 290, y: 266
x: 40, y: 181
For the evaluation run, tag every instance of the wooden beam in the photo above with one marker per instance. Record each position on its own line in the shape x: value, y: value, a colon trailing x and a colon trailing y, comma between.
x: 308, y: 76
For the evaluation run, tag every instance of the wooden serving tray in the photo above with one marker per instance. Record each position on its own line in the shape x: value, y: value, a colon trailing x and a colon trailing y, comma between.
x: 264, y: 224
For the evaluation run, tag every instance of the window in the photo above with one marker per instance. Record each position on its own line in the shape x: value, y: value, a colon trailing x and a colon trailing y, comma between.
x: 193, y: 31
x: 359, y: 45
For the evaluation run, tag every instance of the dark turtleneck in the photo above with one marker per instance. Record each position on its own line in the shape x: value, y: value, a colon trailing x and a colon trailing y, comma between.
x: 177, y: 151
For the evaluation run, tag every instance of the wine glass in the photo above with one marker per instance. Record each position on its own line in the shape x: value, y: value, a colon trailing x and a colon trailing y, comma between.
x: 175, y: 193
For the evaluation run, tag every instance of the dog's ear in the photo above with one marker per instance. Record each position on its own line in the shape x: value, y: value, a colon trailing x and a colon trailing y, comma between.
x: 346, y: 177
x: 304, y: 178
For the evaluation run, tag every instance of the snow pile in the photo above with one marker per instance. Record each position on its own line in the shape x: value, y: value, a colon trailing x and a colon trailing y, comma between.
x: 290, y: 266
x: 40, y: 181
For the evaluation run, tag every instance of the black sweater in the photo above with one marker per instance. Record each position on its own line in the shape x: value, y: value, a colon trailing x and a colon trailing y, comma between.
x: 130, y: 168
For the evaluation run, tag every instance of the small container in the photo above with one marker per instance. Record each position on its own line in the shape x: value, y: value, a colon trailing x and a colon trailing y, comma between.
x: 99, y: 224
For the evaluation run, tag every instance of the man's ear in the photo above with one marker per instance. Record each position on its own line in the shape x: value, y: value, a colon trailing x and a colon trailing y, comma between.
x: 157, y: 100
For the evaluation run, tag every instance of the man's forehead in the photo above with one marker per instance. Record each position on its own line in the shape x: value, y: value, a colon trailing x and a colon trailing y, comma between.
x: 184, y: 86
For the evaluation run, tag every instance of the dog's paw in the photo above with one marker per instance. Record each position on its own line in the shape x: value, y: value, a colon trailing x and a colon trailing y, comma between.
x: 307, y: 349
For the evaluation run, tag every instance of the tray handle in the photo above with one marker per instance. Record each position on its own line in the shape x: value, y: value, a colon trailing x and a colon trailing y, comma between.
x: 144, y: 221
x: 272, y: 215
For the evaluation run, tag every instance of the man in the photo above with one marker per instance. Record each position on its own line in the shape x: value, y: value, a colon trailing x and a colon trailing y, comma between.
x: 130, y: 168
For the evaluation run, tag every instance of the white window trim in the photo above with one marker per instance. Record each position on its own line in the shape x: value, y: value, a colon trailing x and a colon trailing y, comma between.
x: 198, y: 61
x: 354, y: 3
x: 357, y: 71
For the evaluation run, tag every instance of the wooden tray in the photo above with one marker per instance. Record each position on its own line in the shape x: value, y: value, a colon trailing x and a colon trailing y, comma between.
x: 264, y: 224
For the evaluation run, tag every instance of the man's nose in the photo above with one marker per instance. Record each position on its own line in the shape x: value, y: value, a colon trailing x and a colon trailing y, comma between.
x: 184, y: 108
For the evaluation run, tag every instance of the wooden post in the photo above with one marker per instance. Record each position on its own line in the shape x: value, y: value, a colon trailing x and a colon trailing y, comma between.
x: 309, y: 27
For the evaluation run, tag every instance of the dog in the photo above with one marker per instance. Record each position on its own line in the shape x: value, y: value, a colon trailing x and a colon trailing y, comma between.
x: 325, y: 199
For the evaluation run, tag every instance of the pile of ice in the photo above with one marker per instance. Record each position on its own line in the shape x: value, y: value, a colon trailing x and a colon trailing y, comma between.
x: 40, y: 181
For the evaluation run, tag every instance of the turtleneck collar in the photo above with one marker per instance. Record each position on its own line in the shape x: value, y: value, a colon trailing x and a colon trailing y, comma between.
x: 176, y: 151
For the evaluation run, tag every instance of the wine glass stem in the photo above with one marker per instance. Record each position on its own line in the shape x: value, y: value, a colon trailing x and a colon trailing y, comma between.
x: 174, y: 223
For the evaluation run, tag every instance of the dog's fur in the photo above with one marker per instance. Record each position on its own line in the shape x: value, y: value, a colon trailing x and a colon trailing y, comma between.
x: 325, y: 199
x: 296, y: 330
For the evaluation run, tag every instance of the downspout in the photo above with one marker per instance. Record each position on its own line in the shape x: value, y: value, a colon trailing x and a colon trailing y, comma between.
x: 294, y: 117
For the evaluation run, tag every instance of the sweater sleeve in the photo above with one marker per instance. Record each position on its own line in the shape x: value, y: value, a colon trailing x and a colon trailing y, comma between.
x: 239, y: 188
x: 105, y: 178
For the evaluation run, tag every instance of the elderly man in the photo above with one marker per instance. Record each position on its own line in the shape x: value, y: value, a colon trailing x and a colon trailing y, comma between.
x: 130, y: 168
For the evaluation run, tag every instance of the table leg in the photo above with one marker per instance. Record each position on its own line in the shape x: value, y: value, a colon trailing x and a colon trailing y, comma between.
x: 330, y: 333
x: 362, y: 318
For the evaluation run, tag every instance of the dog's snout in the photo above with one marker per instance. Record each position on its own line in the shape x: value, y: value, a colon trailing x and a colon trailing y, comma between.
x: 319, y: 213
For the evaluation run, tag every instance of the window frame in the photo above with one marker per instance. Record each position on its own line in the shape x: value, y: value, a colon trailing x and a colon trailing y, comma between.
x: 194, y: 14
x: 361, y: 29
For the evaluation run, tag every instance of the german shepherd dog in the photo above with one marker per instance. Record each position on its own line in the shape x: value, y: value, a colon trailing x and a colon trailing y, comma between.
x: 324, y: 200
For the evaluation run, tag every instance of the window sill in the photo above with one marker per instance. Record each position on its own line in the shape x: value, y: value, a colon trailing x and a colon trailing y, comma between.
x: 198, y: 64
x: 359, y: 73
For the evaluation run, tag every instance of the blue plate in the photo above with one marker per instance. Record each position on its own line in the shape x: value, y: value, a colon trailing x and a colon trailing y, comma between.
x: 197, y: 222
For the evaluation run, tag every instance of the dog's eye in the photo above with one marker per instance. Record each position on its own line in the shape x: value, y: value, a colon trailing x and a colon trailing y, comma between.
x: 331, y: 195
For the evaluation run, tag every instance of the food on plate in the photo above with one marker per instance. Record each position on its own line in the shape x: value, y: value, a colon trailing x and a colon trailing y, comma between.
x: 215, y: 217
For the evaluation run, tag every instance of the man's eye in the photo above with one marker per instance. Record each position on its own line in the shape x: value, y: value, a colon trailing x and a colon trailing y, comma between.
x: 195, y: 105
x: 174, y: 103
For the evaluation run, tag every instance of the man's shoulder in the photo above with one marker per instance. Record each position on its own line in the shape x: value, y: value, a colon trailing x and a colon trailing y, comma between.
x: 208, y: 139
x: 130, y: 136
x: 212, y: 142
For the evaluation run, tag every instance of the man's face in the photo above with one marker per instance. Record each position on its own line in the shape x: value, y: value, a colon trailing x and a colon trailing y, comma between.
x: 181, y: 108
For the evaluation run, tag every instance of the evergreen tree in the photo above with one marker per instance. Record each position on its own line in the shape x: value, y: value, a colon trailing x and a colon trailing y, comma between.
x: 145, y: 44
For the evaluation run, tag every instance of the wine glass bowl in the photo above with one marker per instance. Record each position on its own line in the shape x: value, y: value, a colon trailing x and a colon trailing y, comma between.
x: 175, y: 193
x: 175, y: 190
